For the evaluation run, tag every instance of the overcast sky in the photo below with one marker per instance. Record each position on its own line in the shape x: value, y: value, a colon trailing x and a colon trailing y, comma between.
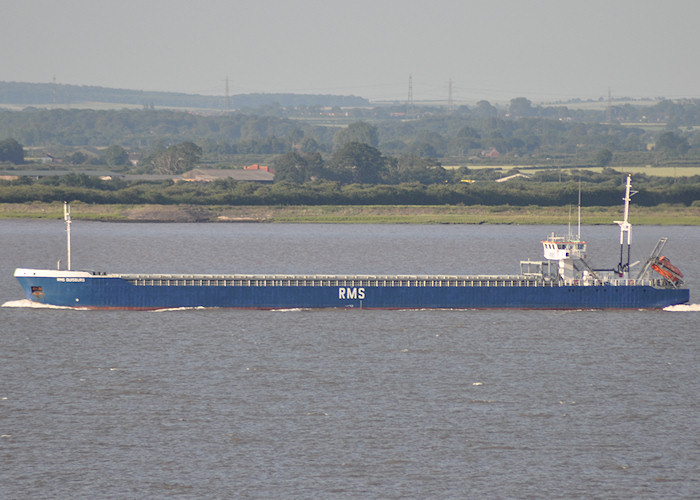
x: 490, y: 49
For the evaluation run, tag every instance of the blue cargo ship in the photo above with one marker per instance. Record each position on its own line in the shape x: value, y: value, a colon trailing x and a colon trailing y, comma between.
x: 563, y: 280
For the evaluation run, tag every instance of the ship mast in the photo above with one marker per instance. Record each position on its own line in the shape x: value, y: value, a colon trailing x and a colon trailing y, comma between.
x: 66, y: 217
x: 578, y: 236
x: 625, y: 227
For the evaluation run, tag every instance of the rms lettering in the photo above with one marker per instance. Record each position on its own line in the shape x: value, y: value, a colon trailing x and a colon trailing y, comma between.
x: 351, y: 293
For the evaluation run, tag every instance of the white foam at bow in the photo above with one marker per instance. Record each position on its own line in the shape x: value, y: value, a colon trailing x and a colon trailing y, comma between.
x: 683, y: 308
x: 26, y: 303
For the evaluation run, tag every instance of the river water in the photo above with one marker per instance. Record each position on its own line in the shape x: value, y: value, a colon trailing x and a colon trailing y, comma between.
x: 342, y: 403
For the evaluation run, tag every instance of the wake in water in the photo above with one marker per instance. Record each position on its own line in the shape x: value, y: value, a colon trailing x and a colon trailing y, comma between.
x: 683, y: 308
x: 172, y: 309
x: 30, y: 304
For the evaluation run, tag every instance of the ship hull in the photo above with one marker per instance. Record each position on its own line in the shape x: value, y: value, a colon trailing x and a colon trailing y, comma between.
x: 85, y: 290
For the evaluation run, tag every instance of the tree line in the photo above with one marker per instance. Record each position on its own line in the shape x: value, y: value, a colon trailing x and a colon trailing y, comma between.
x: 518, y: 134
x: 28, y: 94
x: 384, y: 162
x: 542, y: 190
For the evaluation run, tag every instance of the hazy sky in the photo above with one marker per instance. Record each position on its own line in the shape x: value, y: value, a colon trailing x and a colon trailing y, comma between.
x: 490, y: 49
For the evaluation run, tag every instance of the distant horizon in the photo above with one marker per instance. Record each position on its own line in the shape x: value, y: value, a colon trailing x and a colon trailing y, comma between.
x: 493, y: 50
x: 416, y: 99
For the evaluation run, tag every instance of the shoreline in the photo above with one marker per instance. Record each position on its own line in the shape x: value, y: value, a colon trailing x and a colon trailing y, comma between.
x: 354, y: 214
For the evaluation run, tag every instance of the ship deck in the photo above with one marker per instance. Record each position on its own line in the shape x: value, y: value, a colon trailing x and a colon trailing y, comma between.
x: 372, y: 281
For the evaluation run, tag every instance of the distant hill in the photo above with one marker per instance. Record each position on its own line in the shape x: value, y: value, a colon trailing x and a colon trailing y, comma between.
x: 61, y: 95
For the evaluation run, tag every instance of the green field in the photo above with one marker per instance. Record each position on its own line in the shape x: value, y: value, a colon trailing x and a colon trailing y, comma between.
x: 355, y: 214
x: 647, y: 170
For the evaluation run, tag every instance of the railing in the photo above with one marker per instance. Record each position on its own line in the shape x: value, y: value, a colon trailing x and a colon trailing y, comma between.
x: 338, y: 281
x: 374, y: 281
x: 658, y: 283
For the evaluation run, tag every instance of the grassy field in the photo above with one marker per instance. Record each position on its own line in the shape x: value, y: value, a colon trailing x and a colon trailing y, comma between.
x: 647, y: 169
x: 363, y: 214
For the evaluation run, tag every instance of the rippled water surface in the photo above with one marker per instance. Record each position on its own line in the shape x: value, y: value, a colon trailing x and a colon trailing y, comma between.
x: 337, y: 403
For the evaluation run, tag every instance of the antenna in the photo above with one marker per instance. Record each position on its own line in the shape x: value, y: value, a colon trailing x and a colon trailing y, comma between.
x: 66, y: 217
x: 578, y: 236
x: 579, y: 210
x: 626, y: 227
